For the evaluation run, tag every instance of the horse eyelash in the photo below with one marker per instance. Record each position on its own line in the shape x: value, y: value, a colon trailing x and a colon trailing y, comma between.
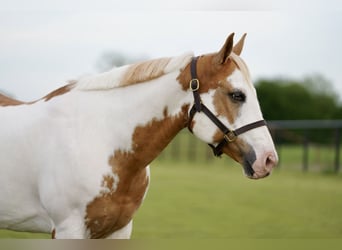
x: 237, y: 96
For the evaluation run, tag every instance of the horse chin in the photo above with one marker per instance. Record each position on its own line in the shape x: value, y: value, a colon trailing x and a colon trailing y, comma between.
x: 248, y: 160
x: 251, y: 174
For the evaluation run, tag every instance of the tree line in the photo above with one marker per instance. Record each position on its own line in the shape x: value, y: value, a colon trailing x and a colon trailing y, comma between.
x: 287, y: 99
x: 312, y: 98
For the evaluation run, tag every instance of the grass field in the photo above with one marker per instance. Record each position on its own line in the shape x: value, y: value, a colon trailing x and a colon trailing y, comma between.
x: 218, y: 202
x: 214, y: 200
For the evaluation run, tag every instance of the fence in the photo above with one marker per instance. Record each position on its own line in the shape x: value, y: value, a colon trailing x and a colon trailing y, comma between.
x: 280, y: 130
x: 297, y: 144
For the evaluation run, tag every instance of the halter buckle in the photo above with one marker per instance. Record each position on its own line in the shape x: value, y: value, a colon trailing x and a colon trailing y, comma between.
x: 230, y: 136
x: 194, y: 84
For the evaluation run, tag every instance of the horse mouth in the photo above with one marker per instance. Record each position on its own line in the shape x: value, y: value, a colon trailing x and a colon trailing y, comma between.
x: 252, y: 174
x: 249, y: 171
x: 247, y: 164
x: 256, y: 176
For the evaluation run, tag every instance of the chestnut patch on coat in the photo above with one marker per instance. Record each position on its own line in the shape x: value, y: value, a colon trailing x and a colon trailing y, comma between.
x: 114, y: 209
x: 53, y: 234
x: 150, y: 139
x: 111, y: 211
x: 223, y: 104
x: 236, y: 149
x: 214, y: 76
x: 210, y: 74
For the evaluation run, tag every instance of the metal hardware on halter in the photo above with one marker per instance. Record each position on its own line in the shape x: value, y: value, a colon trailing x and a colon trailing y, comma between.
x: 194, y: 84
x: 229, y: 136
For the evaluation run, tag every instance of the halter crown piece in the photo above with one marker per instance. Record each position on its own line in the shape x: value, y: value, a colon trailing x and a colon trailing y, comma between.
x: 228, y: 135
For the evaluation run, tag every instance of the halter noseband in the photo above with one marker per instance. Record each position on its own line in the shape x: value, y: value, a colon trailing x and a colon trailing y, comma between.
x: 228, y: 135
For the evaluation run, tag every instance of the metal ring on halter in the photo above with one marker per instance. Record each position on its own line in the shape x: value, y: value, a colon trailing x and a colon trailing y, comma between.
x: 194, y: 84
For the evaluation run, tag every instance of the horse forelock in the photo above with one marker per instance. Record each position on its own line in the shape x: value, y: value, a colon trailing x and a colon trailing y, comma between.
x: 243, y: 67
x: 134, y: 73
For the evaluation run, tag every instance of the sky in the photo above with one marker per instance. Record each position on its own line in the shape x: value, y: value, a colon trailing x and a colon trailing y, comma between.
x: 43, y: 44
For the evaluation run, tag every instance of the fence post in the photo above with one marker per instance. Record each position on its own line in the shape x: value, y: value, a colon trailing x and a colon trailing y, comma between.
x: 337, y: 150
x: 305, y: 151
x: 277, y: 138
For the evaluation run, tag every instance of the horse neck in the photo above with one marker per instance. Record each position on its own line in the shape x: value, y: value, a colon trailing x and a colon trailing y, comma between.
x: 154, y: 113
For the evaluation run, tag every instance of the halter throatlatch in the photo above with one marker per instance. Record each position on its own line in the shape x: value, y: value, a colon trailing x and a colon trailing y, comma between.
x: 228, y: 135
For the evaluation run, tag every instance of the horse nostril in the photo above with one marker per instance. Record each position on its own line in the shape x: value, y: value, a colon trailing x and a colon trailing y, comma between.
x: 271, y: 161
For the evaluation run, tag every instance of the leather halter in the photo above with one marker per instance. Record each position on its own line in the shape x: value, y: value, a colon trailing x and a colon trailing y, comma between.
x: 228, y: 135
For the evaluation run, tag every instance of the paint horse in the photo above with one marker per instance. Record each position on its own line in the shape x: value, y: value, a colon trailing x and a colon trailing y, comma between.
x: 75, y: 163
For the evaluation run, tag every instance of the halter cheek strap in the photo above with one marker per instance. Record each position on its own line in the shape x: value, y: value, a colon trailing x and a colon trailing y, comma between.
x: 228, y: 135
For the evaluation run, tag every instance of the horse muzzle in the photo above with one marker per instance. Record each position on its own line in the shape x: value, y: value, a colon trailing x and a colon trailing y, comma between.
x: 261, y: 166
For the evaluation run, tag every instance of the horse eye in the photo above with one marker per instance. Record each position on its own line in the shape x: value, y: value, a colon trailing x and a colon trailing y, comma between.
x: 237, y: 96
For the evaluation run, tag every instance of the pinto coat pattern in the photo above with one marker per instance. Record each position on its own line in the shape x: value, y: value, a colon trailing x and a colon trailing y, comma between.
x: 76, y: 162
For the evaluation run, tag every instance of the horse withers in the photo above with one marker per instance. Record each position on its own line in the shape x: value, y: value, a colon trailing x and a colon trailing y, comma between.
x: 75, y: 162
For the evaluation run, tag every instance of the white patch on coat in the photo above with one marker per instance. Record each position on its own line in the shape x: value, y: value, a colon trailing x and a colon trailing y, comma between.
x: 204, y: 128
x: 259, y: 138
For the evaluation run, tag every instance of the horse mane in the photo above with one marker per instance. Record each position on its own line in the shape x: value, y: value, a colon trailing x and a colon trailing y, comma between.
x: 7, y: 101
x: 134, y: 73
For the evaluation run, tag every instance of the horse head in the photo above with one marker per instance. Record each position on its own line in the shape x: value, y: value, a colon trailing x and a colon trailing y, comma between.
x: 226, y: 113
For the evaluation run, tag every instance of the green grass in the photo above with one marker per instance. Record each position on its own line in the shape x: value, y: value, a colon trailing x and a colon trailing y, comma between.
x: 321, y: 158
x: 218, y: 202
x: 214, y: 200
x: 7, y: 234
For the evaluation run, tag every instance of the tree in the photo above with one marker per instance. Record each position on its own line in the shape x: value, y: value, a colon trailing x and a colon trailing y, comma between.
x: 287, y: 99
x: 311, y: 98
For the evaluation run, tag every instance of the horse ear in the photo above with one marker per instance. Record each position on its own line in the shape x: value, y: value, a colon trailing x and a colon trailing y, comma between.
x: 222, y: 56
x: 238, y: 47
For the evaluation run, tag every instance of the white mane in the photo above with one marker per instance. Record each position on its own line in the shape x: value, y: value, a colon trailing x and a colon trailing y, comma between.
x: 134, y: 73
